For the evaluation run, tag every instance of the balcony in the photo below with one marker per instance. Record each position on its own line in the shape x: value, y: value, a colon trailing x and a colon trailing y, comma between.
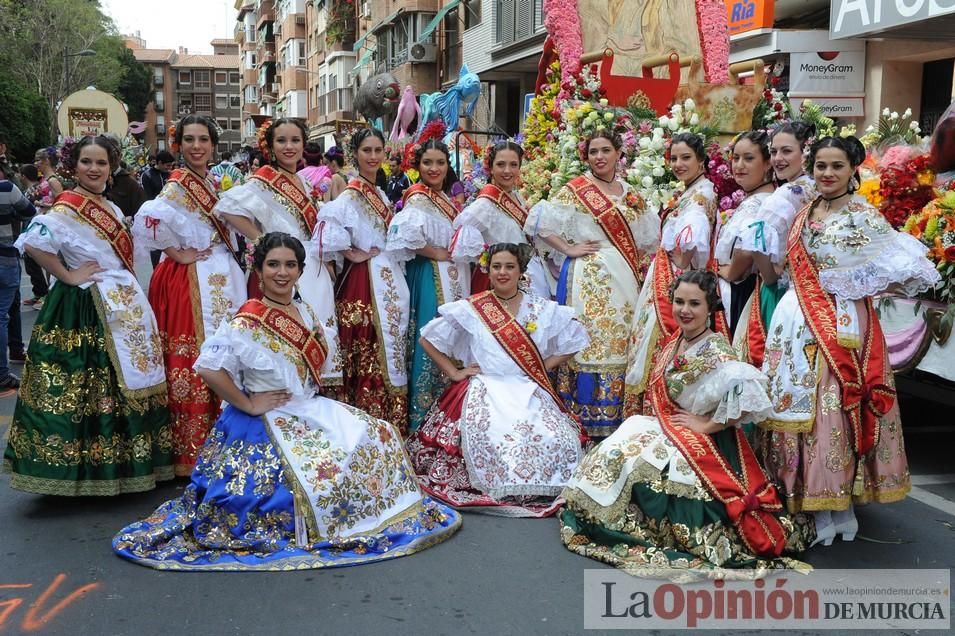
x: 334, y: 101
x: 160, y: 128
x: 265, y: 15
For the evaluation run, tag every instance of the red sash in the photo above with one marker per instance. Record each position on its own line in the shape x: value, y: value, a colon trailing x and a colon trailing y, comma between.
x: 309, y: 343
x: 867, y: 393
x: 750, y: 498
x: 662, y: 283
x: 371, y: 196
x: 756, y: 331
x: 442, y: 202
x: 610, y: 220
x: 281, y: 184
x: 504, y: 201
x: 104, y: 222
x: 204, y: 198
x: 517, y: 343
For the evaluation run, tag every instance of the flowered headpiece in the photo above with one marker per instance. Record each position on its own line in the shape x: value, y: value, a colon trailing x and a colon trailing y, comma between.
x: 261, y: 141
x: 171, y: 139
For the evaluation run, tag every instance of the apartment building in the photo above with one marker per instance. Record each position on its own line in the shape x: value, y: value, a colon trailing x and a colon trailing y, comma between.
x: 184, y: 83
x: 332, y: 27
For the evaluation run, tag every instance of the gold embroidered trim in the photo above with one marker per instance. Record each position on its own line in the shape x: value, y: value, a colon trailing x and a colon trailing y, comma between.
x: 98, y: 488
x: 786, y: 426
x: 195, y: 300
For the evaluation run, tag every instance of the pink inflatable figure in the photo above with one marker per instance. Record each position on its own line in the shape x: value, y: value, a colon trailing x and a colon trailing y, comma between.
x: 408, y: 111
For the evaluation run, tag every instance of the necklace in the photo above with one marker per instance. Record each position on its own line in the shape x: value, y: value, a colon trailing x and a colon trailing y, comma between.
x: 692, y: 181
x: 689, y: 341
x: 509, y: 297
x: 829, y: 200
x: 363, y: 177
x: 95, y: 194
x: 608, y: 182
x: 276, y: 302
x: 763, y: 184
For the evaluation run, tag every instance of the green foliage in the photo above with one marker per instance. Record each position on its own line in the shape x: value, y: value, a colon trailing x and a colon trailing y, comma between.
x: 24, y: 120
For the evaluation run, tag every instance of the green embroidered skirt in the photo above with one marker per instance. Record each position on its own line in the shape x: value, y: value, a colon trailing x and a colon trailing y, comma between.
x: 75, y: 432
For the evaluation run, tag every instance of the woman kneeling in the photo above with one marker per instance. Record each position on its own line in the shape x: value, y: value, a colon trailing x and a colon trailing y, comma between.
x: 499, y: 439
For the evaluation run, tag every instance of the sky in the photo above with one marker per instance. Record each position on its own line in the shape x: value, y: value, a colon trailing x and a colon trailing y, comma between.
x: 169, y: 24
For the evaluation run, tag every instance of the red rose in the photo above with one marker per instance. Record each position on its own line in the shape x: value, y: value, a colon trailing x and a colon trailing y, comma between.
x: 950, y: 253
x: 586, y: 93
x: 778, y: 106
x: 602, y: 91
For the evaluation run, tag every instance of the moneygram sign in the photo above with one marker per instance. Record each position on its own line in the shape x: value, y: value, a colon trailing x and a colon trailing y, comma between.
x: 830, y: 73
x: 850, y: 18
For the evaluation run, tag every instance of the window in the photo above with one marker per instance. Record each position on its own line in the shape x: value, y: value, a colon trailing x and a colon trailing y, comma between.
x: 301, y: 52
x: 202, y: 79
x: 161, y: 119
x: 223, y: 146
x: 185, y: 77
x: 222, y: 102
x: 161, y: 144
x: 234, y: 77
x: 235, y: 101
x: 223, y: 124
x: 160, y: 100
x: 472, y: 13
x: 157, y: 76
x: 222, y: 77
x: 203, y: 103
x: 235, y: 124
x: 251, y: 95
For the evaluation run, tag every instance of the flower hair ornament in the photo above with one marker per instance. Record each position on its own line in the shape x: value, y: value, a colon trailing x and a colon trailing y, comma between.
x: 171, y: 139
x: 484, y: 260
x: 261, y: 140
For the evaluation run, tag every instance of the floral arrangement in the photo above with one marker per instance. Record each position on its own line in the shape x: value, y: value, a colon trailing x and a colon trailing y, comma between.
x: 811, y: 113
x: 714, y: 40
x: 893, y: 128
x: 66, y: 167
x: 905, y: 183
x: 562, y: 20
x: 720, y: 172
x: 934, y: 225
x: 773, y: 107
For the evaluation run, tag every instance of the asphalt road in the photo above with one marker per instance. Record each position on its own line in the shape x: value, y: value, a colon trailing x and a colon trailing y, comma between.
x: 58, y: 574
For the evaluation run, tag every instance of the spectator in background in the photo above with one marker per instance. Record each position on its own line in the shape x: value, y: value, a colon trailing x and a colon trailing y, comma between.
x: 224, y: 168
x: 125, y: 191
x: 153, y: 181
x: 14, y: 209
x: 314, y: 171
x: 455, y: 189
x: 46, y: 161
x: 334, y: 184
x: 397, y: 182
x: 37, y: 190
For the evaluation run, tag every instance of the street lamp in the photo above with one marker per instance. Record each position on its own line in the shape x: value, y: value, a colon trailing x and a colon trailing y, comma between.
x: 66, y: 64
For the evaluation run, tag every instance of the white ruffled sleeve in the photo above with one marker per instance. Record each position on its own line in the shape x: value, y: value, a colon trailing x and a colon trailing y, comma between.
x: 646, y: 231
x: 550, y: 218
x: 889, y: 258
x: 161, y: 224
x: 416, y: 227
x: 45, y: 233
x: 732, y: 233
x: 564, y: 334
x: 233, y: 350
x: 769, y: 232
x: 341, y: 228
x: 467, y: 244
x: 449, y: 333
x: 247, y: 200
x: 733, y: 392
x: 688, y: 229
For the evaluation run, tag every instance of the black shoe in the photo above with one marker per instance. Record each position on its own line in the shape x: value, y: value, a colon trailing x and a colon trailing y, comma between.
x: 18, y: 356
x: 10, y: 382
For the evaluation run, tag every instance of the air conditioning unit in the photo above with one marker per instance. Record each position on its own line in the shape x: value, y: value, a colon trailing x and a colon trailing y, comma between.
x: 366, y: 10
x: 423, y: 53
x: 300, y: 19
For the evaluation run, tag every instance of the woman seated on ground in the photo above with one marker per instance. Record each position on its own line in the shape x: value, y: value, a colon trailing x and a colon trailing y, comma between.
x: 664, y: 496
x: 500, y: 439
x: 287, y: 479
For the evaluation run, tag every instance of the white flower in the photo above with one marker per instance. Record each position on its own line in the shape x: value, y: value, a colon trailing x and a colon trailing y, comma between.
x: 907, y: 113
x: 694, y: 120
x: 664, y: 121
x: 885, y: 112
x: 894, y: 115
x: 647, y: 182
x: 689, y: 104
x: 644, y: 142
x: 914, y: 125
x: 657, y: 143
x: 673, y: 125
x: 658, y: 133
x: 604, y: 102
x: 676, y: 109
x: 658, y: 172
x: 870, y: 128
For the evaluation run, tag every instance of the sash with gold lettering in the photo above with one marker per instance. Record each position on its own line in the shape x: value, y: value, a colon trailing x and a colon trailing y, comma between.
x: 750, y: 498
x: 204, y: 197
x: 610, y: 220
x: 309, y: 343
x: 662, y: 282
x: 105, y: 223
x: 287, y: 188
x: 756, y: 331
x: 867, y: 393
x: 515, y: 340
x: 504, y: 201
x: 440, y: 201
x: 371, y: 196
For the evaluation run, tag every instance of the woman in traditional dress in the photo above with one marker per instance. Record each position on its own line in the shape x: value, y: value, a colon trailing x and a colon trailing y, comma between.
x: 420, y: 236
x: 91, y: 416
x: 834, y: 437
x: 197, y: 285
x: 753, y: 172
x: 684, y: 244
x: 370, y: 291
x: 681, y: 494
x: 762, y: 243
x: 601, y: 228
x: 497, y: 215
x: 287, y: 479
x: 276, y: 199
x: 500, y: 439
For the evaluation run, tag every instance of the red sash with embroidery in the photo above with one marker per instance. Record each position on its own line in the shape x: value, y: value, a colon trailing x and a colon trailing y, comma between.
x: 442, y: 202
x: 750, y: 498
x: 280, y: 183
x: 662, y: 282
x: 515, y: 340
x: 756, y: 331
x: 610, y: 220
x: 204, y: 198
x: 867, y: 393
x: 371, y: 196
x: 309, y: 343
x: 504, y: 201
x: 105, y: 223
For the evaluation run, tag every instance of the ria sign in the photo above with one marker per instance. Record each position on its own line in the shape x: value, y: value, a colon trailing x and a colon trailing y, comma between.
x: 749, y: 15
x: 848, y: 18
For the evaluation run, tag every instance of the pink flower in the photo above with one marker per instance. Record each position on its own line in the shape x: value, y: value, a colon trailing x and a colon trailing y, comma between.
x: 714, y: 40
x: 562, y: 21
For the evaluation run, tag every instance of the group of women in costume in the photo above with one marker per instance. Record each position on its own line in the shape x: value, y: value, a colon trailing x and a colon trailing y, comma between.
x: 709, y: 388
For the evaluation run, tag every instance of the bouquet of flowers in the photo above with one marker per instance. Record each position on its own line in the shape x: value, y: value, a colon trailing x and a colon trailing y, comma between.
x: 893, y: 128
x: 934, y: 225
x: 905, y: 183
x: 728, y: 193
x: 772, y: 109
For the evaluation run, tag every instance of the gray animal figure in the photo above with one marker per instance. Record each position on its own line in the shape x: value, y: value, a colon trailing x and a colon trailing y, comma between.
x: 378, y: 96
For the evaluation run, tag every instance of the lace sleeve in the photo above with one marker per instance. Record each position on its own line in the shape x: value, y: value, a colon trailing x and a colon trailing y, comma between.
x: 550, y: 218
x: 732, y: 233
x: 244, y: 200
x: 733, y: 392
x: 688, y: 231
x: 565, y: 334
x: 769, y: 231
x: 159, y: 225
x: 448, y: 332
x: 45, y: 233
x: 414, y: 228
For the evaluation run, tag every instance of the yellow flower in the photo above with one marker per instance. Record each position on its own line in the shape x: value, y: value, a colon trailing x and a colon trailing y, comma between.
x: 531, y: 327
x: 926, y: 178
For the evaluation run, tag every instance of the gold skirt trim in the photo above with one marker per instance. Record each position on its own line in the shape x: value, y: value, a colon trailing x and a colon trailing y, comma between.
x: 98, y: 488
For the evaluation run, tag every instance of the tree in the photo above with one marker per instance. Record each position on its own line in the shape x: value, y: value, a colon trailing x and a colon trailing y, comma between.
x: 134, y: 87
x: 24, y: 120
